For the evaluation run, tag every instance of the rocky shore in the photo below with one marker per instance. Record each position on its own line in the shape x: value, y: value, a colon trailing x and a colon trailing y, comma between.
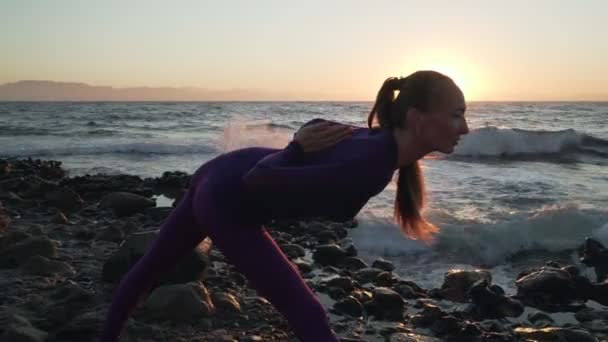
x: 65, y: 242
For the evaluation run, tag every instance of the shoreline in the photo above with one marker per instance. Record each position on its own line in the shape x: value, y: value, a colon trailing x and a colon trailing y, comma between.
x: 58, y: 235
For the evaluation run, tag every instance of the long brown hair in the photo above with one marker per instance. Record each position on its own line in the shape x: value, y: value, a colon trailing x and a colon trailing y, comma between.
x: 418, y: 90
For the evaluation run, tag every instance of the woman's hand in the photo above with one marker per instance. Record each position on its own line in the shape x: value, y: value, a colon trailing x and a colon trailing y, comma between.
x: 321, y: 135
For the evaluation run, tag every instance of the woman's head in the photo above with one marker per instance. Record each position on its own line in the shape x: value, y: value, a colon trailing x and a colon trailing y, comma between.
x: 429, y: 106
x: 429, y: 112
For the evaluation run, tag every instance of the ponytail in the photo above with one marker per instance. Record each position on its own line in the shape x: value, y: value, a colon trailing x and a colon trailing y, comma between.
x: 389, y: 112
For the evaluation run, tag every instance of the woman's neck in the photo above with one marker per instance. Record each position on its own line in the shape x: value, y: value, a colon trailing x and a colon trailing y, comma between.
x: 409, y: 149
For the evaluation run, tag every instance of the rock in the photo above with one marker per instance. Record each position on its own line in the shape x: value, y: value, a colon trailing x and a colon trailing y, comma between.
x: 367, y: 275
x: 387, y: 304
x: 343, y: 283
x: 111, y: 233
x: 60, y: 218
x: 446, y: 325
x: 179, y: 303
x: 155, y: 214
x: 385, y: 279
x: 540, y: 319
x: 68, y: 301
x: 491, y: 302
x: 11, y: 238
x: 23, y: 334
x: 64, y: 198
x: 411, y: 337
x: 593, y: 254
x: 39, y: 265
x: 327, y: 237
x: 549, y: 288
x: 19, y: 252
x: 329, y: 254
x: 353, y: 263
x: 349, y: 306
x: 4, y: 219
x: 251, y: 338
x: 456, y: 283
x: 83, y: 327
x: 16, y: 328
x: 303, y: 266
x: 408, y: 291
x: 429, y: 314
x: 125, y: 203
x: 225, y: 302
x: 363, y: 296
x: 293, y: 251
x: 590, y: 314
x: 554, y: 334
x: 190, y: 268
x: 383, y: 265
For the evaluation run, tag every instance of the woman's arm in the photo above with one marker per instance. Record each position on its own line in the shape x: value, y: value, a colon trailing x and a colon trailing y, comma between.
x: 279, y: 172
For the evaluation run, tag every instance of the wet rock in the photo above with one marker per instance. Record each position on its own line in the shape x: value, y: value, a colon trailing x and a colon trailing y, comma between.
x: 593, y: 254
x: 411, y: 337
x: 69, y: 300
x: 22, y: 250
x: 343, y: 283
x: 386, y: 304
x: 111, y: 233
x: 125, y: 203
x: 4, y: 219
x: 225, y: 302
x: 293, y: 251
x: 590, y: 314
x: 429, y: 314
x: 385, y: 279
x: 540, y: 319
x: 353, y: 263
x: 39, y: 265
x: 329, y: 254
x: 60, y: 218
x: 446, y: 325
x: 554, y: 334
x: 179, y: 303
x: 303, y: 266
x: 191, y: 267
x: 548, y: 288
x: 409, y: 290
x: 11, y: 238
x: 491, y: 302
x: 19, y: 329
x: 383, y: 265
x: 83, y: 327
x: 367, y: 275
x: 327, y: 237
x: 64, y: 198
x: 456, y: 283
x: 349, y: 306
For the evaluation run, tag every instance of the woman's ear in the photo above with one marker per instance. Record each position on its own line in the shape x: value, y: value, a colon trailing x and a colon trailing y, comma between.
x: 413, y: 120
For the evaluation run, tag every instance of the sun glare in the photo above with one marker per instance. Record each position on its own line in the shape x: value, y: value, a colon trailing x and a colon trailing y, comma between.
x: 463, y: 74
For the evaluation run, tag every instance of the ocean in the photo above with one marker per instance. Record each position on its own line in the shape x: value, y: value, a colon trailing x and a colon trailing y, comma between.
x: 528, y: 183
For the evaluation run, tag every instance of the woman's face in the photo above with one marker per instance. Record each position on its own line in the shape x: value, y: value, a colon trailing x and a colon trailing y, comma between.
x: 441, y: 127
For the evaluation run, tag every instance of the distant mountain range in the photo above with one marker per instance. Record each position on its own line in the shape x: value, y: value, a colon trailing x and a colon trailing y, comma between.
x: 68, y: 91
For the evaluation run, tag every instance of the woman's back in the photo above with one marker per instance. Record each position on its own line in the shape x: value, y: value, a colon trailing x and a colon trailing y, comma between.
x: 257, y: 184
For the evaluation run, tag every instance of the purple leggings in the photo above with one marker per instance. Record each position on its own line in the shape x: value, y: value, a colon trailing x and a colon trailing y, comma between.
x: 249, y: 248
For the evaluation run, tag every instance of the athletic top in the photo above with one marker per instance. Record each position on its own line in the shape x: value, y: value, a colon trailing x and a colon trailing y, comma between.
x: 256, y: 185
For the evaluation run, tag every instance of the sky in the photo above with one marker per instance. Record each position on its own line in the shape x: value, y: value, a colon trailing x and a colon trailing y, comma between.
x: 341, y: 49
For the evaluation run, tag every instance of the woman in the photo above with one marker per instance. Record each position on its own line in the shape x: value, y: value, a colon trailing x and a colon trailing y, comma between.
x: 320, y: 173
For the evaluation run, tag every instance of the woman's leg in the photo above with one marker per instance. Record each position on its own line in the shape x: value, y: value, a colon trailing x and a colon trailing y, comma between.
x: 179, y: 235
x: 257, y: 256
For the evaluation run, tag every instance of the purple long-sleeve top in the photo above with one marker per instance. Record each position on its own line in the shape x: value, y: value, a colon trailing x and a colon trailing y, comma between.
x: 255, y: 185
